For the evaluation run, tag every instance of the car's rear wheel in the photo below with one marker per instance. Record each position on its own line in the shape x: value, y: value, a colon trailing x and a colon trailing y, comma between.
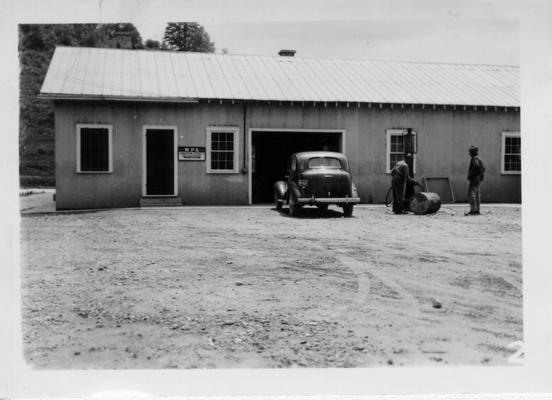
x: 277, y: 204
x: 293, y: 206
x: 348, y: 210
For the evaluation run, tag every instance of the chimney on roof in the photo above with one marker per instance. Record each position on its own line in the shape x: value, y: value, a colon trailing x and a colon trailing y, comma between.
x: 286, y: 53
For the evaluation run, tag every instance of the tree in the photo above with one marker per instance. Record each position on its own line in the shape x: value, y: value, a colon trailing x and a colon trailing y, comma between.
x: 108, y: 35
x: 187, y: 36
x: 37, y: 43
x: 47, y: 37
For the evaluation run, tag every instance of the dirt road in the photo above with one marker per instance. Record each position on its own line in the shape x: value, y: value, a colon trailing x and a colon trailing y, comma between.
x: 251, y: 287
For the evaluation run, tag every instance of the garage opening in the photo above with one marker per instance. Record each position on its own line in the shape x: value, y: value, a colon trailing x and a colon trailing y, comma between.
x: 270, y: 151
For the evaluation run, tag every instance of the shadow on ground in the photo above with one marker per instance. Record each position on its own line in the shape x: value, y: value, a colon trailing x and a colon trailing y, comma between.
x: 311, y: 213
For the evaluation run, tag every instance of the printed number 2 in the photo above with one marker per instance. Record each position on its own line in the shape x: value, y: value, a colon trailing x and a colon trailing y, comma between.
x: 517, y: 357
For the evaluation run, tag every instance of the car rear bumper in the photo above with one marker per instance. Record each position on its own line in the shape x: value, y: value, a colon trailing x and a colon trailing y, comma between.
x: 328, y: 200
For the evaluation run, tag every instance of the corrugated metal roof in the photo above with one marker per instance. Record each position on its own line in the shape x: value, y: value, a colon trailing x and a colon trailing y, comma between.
x: 77, y: 72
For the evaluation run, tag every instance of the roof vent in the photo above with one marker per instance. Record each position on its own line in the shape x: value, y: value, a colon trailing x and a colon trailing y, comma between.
x: 286, y: 53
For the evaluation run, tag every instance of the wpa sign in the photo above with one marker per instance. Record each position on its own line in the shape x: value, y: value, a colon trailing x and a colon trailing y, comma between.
x: 191, y: 153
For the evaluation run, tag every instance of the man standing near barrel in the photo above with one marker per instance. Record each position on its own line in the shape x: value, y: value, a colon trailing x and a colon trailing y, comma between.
x: 400, y: 177
x: 476, y: 173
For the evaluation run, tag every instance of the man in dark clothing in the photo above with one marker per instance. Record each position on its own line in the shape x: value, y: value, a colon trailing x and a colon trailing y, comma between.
x: 400, y: 176
x: 476, y: 173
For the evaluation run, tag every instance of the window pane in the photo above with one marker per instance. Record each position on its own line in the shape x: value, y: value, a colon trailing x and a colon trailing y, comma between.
x: 215, y: 141
x: 397, y: 148
x: 512, y: 162
x: 396, y: 144
x: 94, y: 149
x: 512, y: 154
x: 222, y: 155
x: 513, y: 145
x: 324, y: 162
x: 229, y: 158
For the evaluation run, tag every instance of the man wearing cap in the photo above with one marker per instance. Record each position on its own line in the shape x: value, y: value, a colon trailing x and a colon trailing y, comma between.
x: 400, y: 176
x: 476, y: 173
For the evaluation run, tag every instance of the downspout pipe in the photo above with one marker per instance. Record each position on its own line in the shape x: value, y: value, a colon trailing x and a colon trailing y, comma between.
x: 245, y: 166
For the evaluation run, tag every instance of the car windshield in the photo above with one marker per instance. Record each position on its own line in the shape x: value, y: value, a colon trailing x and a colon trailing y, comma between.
x: 324, y: 162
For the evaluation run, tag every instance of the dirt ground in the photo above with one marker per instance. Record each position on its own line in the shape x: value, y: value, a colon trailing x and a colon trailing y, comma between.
x: 250, y: 287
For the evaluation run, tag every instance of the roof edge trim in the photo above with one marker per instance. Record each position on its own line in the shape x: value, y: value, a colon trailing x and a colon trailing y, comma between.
x: 53, y: 96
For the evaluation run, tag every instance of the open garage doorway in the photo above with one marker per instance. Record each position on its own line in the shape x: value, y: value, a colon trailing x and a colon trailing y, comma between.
x: 270, y: 151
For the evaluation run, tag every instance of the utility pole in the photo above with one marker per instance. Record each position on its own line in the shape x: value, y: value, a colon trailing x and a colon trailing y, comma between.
x: 409, y: 147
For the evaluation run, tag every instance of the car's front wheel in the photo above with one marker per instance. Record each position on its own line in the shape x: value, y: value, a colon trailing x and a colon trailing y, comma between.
x: 293, y: 206
x: 277, y: 204
x: 348, y: 210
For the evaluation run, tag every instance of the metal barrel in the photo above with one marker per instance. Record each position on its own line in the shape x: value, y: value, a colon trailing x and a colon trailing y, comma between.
x: 425, y: 203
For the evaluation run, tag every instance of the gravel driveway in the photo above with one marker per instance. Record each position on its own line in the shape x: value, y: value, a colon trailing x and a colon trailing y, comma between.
x: 250, y: 287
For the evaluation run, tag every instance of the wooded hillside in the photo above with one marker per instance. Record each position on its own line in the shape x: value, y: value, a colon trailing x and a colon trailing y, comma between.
x: 36, y: 48
x: 36, y: 118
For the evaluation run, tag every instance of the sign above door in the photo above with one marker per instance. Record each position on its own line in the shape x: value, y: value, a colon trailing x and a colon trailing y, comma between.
x: 191, y: 153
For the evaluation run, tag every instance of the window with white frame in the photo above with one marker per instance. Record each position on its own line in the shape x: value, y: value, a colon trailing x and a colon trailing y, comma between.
x: 94, y: 148
x: 511, y: 153
x: 222, y: 150
x: 395, y: 148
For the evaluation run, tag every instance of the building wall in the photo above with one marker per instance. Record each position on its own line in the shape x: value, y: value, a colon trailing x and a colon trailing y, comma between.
x: 444, y: 137
x: 123, y: 187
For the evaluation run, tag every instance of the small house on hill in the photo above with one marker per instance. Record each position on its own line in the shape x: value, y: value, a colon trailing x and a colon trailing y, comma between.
x: 139, y: 127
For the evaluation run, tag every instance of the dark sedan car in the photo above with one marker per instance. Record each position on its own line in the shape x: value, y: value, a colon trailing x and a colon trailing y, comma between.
x: 317, y: 178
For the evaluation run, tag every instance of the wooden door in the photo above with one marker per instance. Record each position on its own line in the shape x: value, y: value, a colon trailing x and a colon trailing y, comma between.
x: 160, y: 162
